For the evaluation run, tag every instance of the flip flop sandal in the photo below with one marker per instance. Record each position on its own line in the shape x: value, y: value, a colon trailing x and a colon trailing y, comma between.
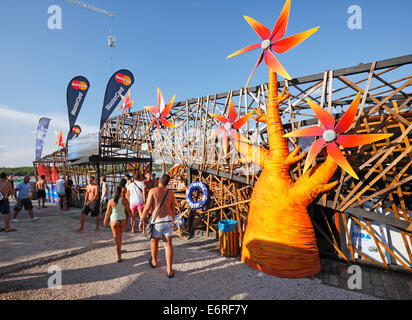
x: 10, y: 230
x: 171, y: 275
x: 151, y: 264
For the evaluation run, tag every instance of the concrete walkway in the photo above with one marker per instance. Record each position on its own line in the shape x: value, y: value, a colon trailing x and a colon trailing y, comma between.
x: 89, y: 270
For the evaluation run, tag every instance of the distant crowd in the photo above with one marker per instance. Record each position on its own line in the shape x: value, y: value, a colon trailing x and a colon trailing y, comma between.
x: 134, y: 200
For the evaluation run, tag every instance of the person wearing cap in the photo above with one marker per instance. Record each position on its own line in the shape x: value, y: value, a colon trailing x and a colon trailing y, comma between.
x: 61, y: 191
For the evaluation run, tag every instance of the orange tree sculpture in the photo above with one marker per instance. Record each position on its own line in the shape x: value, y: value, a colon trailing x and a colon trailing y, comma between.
x: 279, y: 238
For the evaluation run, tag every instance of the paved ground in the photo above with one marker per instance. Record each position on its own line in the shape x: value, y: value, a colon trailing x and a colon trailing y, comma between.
x: 89, y: 270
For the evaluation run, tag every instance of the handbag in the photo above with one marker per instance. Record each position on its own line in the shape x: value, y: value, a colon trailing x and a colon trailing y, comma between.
x: 150, y: 226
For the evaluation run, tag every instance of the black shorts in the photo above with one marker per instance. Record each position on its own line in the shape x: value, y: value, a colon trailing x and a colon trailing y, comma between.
x: 26, y: 203
x: 41, y: 194
x: 93, y: 208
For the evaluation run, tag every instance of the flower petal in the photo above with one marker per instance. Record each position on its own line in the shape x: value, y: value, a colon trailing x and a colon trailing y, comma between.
x: 152, y: 109
x: 241, y: 121
x: 232, y: 111
x: 281, y: 24
x: 355, y: 140
x: 292, y: 41
x: 246, y: 49
x: 256, y: 65
x: 325, y: 117
x: 219, y: 117
x: 235, y: 135
x: 151, y: 123
x: 275, y: 65
x: 333, y: 150
x: 225, y: 142
x: 260, y: 29
x: 160, y: 100
x: 306, y: 132
x: 168, y: 107
x: 313, y: 152
x: 347, y: 119
x: 167, y: 123
x: 216, y: 132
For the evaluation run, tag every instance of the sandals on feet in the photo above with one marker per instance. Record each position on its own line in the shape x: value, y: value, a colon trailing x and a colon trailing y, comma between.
x: 171, y: 275
x: 150, y: 262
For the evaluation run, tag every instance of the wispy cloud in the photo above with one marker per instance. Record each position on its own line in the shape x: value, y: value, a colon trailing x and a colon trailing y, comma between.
x: 18, y: 135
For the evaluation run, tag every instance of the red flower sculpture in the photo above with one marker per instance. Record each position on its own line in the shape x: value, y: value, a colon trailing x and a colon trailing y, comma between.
x: 161, y: 112
x: 127, y: 104
x: 273, y: 41
x: 59, y: 141
x: 229, y: 126
x: 331, y: 135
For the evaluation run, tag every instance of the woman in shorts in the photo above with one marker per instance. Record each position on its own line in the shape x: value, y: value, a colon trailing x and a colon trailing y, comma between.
x: 116, y: 211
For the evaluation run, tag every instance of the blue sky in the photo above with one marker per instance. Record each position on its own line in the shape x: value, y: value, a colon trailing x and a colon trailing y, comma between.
x: 179, y: 46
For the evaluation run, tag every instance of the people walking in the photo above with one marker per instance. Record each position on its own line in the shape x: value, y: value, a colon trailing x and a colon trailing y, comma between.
x: 11, y: 180
x: 68, y: 189
x: 135, y: 196
x: 5, y: 192
x: 61, y: 192
x: 91, y: 204
x: 104, y: 196
x: 163, y: 203
x: 22, y: 194
x: 41, y: 187
x: 149, y: 184
x: 116, y: 212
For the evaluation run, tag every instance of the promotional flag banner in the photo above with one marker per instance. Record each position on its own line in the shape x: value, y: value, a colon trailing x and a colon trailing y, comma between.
x: 118, y: 85
x: 41, y: 135
x: 76, y: 93
x: 76, y: 130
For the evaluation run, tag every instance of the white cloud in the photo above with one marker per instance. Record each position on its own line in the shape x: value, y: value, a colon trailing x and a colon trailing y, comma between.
x: 18, y: 135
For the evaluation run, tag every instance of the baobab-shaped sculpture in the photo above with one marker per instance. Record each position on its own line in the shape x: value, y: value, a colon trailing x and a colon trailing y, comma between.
x: 279, y: 238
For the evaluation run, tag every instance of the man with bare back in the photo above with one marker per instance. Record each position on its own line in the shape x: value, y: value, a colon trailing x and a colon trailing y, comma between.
x: 5, y: 192
x: 163, y: 227
x: 91, y: 204
x: 41, y: 187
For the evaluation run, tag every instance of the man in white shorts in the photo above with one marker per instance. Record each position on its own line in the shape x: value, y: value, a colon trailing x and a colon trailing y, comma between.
x: 163, y: 227
x: 135, y: 195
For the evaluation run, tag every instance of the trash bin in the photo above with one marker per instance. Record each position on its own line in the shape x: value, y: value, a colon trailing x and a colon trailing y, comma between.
x: 228, y: 238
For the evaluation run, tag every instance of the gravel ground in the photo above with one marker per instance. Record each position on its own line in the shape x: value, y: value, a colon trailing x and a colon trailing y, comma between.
x: 200, y: 274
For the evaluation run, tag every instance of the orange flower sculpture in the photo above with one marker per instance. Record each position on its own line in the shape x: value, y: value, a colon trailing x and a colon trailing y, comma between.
x: 230, y: 125
x: 127, y: 104
x: 161, y: 112
x: 279, y: 238
x: 331, y: 135
x: 59, y: 141
x: 273, y: 41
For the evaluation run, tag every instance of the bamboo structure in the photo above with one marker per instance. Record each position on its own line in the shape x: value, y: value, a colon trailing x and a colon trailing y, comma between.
x: 382, y: 195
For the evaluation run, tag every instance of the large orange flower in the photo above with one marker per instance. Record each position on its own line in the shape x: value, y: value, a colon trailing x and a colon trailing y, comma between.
x: 230, y: 125
x: 161, y: 112
x: 331, y: 135
x: 273, y: 41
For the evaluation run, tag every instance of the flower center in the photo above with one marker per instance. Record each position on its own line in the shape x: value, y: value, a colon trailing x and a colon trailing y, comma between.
x: 329, y: 135
x: 158, y: 115
x: 265, y: 44
x: 228, y: 126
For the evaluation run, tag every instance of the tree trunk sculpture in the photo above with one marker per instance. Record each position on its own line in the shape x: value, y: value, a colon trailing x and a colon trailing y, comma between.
x: 279, y: 238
